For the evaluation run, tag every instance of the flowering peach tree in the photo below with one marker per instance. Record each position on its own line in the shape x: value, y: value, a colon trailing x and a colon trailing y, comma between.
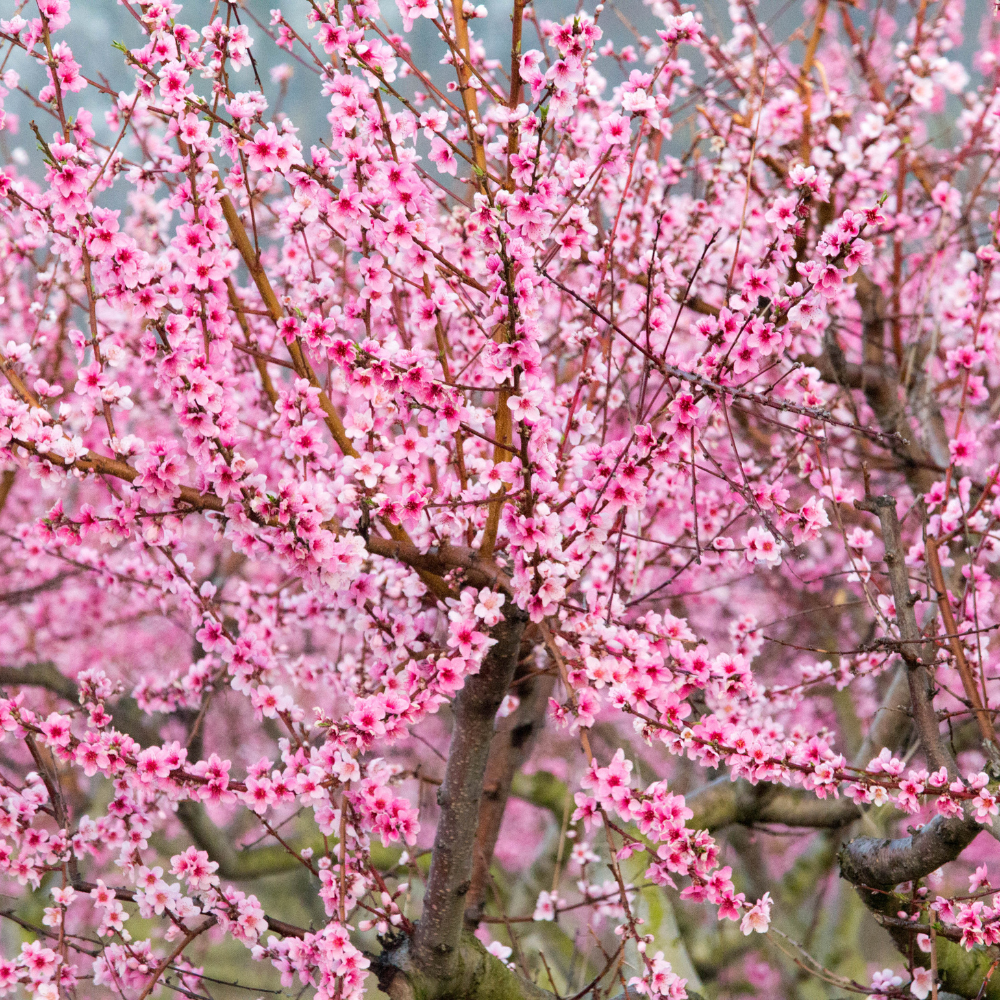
x: 536, y: 536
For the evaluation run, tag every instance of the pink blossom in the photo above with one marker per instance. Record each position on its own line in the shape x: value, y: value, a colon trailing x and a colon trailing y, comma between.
x: 758, y: 918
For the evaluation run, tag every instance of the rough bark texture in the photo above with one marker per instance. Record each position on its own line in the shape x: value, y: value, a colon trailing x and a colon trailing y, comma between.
x: 475, y: 975
x: 435, y: 944
x: 882, y: 864
x: 511, y: 748
x: 471, y: 973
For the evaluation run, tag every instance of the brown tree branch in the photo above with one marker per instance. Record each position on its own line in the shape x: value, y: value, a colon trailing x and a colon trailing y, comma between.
x: 6, y: 484
x: 429, y: 566
x: 869, y: 862
x: 884, y: 507
x: 511, y: 748
x: 876, y: 865
x: 241, y: 866
x: 43, y: 675
x: 882, y: 864
x: 479, y: 571
x: 475, y: 975
x: 472, y: 972
x: 983, y: 717
x: 880, y: 382
x: 437, y: 936
x: 14, y: 597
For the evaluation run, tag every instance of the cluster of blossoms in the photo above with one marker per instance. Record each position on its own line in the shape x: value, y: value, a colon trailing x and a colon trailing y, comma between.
x: 301, y: 435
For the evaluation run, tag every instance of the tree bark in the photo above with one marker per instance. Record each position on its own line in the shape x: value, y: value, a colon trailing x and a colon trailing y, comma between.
x: 511, y: 748
x: 882, y: 864
x: 912, y: 648
x: 435, y: 945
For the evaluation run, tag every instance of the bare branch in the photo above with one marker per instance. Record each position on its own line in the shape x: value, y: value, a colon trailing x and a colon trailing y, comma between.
x: 983, y: 717
x: 6, y: 484
x: 259, y: 862
x: 43, y: 675
x: 884, y: 507
x: 13, y: 597
x: 880, y: 383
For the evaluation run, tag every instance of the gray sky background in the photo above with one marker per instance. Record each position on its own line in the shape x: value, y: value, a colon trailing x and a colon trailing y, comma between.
x: 97, y: 23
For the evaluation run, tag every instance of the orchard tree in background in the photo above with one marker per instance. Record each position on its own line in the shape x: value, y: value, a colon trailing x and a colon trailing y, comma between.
x: 538, y: 536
